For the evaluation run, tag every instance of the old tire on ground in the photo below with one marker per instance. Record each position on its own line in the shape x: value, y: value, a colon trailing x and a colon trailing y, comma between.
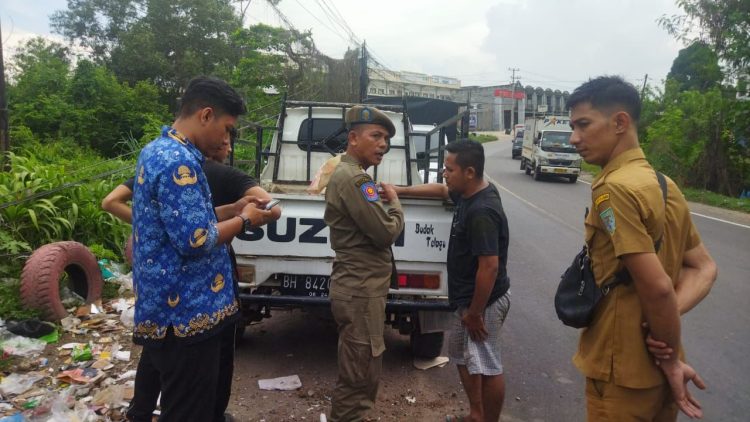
x: 40, y: 279
x: 128, y: 250
x: 427, y: 345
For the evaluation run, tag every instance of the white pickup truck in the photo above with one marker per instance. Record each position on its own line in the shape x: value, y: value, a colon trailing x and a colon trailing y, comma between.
x: 287, y: 264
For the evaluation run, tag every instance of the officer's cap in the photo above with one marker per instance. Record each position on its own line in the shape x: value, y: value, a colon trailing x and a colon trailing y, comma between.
x: 360, y: 114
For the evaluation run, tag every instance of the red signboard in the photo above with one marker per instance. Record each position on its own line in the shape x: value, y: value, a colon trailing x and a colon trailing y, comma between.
x: 507, y: 93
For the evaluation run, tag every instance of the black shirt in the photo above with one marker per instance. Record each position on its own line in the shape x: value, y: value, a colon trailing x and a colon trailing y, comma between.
x: 227, y: 184
x: 479, y: 228
x: 130, y: 183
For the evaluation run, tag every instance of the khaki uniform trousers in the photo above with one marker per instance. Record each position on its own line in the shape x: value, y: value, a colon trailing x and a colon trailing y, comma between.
x: 360, y: 354
x: 606, y: 401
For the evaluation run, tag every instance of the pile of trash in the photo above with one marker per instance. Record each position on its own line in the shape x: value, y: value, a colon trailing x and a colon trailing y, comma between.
x: 79, y: 370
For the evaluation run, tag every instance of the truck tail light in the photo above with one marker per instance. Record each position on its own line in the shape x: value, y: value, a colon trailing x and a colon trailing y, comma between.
x: 419, y: 281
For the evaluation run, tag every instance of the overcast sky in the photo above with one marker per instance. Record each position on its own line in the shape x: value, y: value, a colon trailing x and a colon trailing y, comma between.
x: 555, y: 43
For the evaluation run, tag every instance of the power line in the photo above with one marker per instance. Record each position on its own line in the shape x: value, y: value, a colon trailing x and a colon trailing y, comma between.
x: 322, y: 23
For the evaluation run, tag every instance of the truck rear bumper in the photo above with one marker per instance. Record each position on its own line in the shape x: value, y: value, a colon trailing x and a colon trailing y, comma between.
x: 390, y: 305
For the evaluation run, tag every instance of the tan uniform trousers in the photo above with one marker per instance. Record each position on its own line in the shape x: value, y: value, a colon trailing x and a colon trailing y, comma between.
x: 607, y: 402
x: 360, y: 354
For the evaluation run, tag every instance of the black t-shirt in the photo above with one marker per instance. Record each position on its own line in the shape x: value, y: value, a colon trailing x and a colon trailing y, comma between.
x: 130, y: 183
x: 227, y: 184
x: 479, y: 228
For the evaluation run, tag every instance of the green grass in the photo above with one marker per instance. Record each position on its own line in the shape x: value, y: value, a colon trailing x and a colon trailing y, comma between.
x: 590, y: 168
x: 110, y: 290
x: 10, y: 302
x: 695, y: 195
x: 482, y: 138
x: 716, y: 200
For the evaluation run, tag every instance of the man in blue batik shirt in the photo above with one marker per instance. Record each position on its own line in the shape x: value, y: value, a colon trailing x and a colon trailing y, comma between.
x: 182, y: 272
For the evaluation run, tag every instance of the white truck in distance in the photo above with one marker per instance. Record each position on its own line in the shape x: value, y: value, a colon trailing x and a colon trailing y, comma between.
x: 287, y: 264
x: 547, y: 149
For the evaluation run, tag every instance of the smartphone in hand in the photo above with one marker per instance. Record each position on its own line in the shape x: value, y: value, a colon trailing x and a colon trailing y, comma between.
x: 272, y: 203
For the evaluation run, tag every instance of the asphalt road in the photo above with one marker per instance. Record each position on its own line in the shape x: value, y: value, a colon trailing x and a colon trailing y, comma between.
x: 546, y: 225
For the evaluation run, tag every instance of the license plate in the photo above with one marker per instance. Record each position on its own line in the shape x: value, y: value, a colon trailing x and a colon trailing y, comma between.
x: 304, y: 285
x: 559, y: 170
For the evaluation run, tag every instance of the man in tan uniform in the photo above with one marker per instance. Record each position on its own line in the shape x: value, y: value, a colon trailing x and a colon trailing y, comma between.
x: 362, y: 232
x: 630, y: 227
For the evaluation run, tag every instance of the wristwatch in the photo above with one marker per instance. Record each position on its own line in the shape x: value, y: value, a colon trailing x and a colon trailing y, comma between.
x: 246, y: 224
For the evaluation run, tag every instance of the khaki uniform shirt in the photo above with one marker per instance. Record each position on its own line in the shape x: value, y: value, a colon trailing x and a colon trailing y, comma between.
x: 362, y: 232
x: 628, y: 216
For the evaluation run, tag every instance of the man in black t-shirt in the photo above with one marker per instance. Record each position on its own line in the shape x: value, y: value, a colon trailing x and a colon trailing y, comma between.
x: 478, y: 284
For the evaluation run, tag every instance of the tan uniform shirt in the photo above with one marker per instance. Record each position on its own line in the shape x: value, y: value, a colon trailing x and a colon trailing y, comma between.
x: 628, y: 216
x: 362, y: 232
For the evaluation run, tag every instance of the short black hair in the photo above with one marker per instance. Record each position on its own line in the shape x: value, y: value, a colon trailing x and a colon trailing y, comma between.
x: 468, y: 154
x: 205, y: 91
x: 606, y: 92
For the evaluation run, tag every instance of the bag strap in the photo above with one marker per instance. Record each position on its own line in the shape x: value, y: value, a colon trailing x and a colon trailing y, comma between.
x: 623, y: 276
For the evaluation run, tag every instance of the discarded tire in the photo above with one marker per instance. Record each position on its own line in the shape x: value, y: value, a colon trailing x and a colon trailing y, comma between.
x: 40, y: 279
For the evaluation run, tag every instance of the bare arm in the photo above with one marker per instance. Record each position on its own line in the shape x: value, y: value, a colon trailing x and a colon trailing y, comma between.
x: 659, y: 303
x: 428, y: 190
x: 485, y: 280
x: 656, y: 293
x: 257, y: 195
x: 116, y: 203
x: 230, y: 228
x: 697, y: 276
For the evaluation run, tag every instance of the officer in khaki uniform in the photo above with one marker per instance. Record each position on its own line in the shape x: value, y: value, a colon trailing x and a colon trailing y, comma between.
x: 628, y: 218
x: 362, y: 232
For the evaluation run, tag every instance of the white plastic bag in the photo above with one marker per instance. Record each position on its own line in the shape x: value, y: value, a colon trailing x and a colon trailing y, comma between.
x: 22, y: 346
x: 18, y: 383
x: 127, y: 317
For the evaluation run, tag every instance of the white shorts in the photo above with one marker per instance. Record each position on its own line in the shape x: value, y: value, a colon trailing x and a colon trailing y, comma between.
x: 480, y: 357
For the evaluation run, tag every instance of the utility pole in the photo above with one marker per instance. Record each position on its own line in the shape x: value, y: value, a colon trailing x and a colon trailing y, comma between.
x: 513, y: 99
x: 363, y: 77
x: 4, y: 140
x: 643, y: 89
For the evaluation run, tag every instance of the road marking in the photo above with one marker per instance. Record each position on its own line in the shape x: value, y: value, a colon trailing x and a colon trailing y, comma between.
x: 583, y: 181
x: 720, y: 220
x: 552, y: 216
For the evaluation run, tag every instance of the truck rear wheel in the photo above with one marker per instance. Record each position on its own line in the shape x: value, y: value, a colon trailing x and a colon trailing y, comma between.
x: 523, y: 164
x: 427, y: 345
x: 527, y: 168
x: 572, y: 179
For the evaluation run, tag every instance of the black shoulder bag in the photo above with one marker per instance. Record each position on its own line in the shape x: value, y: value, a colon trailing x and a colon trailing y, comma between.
x: 577, y: 294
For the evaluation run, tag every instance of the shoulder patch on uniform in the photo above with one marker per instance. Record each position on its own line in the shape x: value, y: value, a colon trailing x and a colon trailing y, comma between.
x: 370, y: 191
x: 361, y: 180
x: 601, y: 198
x: 608, y: 218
